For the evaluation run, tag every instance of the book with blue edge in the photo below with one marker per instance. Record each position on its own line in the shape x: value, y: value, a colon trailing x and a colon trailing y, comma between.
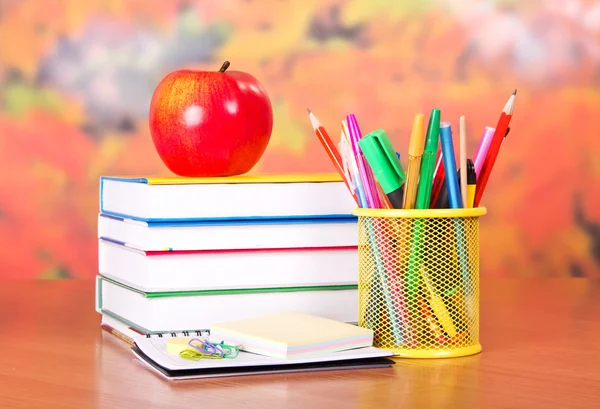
x: 228, y: 198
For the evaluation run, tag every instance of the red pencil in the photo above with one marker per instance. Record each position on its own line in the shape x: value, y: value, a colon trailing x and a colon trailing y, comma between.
x: 331, y: 150
x: 490, y: 159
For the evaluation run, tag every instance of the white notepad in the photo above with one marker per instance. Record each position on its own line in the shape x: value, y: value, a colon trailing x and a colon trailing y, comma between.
x: 292, y: 335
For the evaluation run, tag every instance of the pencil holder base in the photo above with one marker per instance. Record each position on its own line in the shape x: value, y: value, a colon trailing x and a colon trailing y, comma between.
x: 428, y: 354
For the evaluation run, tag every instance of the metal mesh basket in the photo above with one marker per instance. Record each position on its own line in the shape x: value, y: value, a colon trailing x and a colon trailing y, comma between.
x: 419, y: 280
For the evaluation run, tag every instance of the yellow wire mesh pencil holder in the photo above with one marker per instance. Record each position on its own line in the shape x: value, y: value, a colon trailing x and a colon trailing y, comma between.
x: 418, y: 280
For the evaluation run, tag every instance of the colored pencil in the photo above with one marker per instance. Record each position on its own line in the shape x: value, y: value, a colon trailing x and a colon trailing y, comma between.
x: 331, y: 150
x: 490, y: 159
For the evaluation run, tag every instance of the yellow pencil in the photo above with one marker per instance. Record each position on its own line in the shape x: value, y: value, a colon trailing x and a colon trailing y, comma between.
x: 415, y: 152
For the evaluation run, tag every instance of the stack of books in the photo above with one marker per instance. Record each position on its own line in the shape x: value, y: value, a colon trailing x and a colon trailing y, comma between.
x: 177, y: 255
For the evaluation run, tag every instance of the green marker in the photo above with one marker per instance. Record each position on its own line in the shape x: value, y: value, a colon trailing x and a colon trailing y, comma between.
x: 385, y: 165
x: 428, y: 160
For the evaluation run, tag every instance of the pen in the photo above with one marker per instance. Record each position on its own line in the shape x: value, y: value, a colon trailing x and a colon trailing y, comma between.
x: 346, y: 166
x: 428, y: 161
x: 423, y: 201
x: 443, y: 201
x: 450, y: 163
x: 501, y: 129
x: 484, y: 145
x: 329, y: 146
x: 438, y: 178
x: 415, y: 151
x: 382, y: 159
x: 365, y: 173
x: 353, y: 167
x: 463, y: 159
x: 471, y: 181
x: 438, y: 306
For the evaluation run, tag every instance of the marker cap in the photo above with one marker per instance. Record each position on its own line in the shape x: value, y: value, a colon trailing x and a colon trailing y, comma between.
x: 382, y: 159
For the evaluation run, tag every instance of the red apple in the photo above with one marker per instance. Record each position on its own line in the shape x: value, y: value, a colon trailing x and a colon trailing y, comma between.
x: 210, y: 123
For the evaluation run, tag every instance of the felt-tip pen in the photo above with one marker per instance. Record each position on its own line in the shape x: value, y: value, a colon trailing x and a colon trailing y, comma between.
x: 415, y: 151
x: 428, y: 161
x: 450, y: 163
x: 471, y: 182
x: 384, y: 163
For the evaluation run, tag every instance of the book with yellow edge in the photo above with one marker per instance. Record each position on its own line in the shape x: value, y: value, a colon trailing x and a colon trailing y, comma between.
x: 245, y: 197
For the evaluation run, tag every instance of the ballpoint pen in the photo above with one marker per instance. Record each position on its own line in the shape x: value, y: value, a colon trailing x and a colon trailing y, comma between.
x: 438, y: 178
x: 501, y: 129
x: 346, y: 165
x: 450, y: 164
x: 386, y: 167
x: 415, y: 151
x: 482, y: 149
x: 330, y: 148
x: 463, y: 159
x: 353, y: 167
x: 428, y: 160
x: 364, y: 170
x: 484, y: 145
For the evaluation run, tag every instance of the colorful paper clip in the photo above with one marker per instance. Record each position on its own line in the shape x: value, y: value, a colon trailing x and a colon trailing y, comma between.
x: 221, y: 349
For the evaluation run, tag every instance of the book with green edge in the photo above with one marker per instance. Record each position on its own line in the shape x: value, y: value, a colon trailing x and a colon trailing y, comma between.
x: 181, y: 310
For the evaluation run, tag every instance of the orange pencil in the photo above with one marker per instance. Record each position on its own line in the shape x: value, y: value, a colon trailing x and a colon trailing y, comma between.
x: 329, y: 146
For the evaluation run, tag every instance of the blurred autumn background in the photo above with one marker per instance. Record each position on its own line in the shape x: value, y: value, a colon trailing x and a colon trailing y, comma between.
x: 76, y: 79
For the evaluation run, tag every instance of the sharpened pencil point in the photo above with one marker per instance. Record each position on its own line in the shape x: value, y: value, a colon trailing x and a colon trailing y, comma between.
x: 515, y: 93
x: 309, y: 112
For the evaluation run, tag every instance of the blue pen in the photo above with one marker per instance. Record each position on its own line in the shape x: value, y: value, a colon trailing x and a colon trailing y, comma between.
x: 450, y: 164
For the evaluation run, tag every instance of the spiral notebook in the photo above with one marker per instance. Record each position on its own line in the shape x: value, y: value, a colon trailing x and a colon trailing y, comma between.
x: 152, y: 352
x: 129, y: 332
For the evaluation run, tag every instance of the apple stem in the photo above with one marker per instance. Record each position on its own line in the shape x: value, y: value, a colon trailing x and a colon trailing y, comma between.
x: 224, y: 66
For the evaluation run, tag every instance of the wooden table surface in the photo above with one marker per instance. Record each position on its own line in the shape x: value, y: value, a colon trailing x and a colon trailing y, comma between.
x: 540, y: 337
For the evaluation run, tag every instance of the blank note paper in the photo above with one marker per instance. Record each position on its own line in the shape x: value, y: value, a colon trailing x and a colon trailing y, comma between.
x: 291, y: 335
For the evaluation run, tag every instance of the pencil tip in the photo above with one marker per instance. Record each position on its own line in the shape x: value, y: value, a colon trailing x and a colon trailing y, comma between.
x: 515, y: 93
x: 309, y: 112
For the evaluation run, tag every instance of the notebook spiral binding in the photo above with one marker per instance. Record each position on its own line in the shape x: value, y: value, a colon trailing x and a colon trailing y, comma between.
x: 200, y: 333
x: 128, y: 332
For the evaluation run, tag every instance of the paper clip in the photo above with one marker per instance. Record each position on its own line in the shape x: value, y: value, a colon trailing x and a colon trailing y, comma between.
x: 221, y: 349
x: 195, y: 355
